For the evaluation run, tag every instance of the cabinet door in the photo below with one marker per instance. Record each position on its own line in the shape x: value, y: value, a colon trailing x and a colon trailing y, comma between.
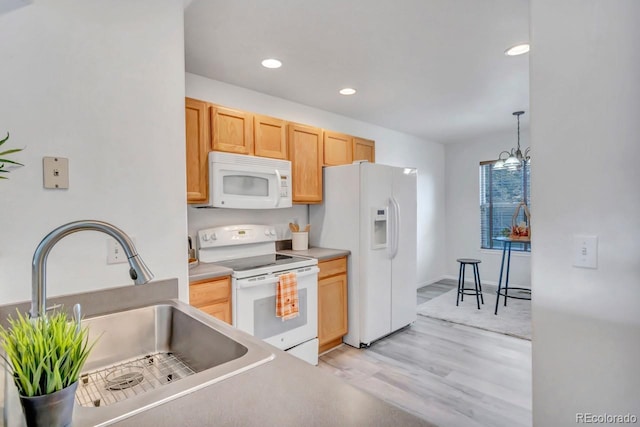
x: 232, y: 130
x: 197, y: 145
x: 364, y: 149
x: 270, y: 137
x: 332, y: 311
x: 305, y: 153
x: 337, y: 149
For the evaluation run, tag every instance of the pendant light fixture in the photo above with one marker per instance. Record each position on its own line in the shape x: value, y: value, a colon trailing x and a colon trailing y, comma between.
x: 513, y: 159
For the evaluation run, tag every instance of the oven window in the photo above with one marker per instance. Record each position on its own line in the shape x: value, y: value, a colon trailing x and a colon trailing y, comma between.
x: 265, y: 322
x: 243, y: 185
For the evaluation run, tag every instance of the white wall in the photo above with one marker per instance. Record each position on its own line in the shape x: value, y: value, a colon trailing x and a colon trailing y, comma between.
x: 463, y: 207
x: 585, y: 104
x: 393, y: 148
x: 101, y: 83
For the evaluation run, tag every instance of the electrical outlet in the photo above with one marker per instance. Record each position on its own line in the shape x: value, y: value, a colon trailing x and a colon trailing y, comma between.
x: 115, y: 253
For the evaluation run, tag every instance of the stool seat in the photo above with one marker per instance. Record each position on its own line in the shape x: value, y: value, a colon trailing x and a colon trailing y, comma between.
x: 477, y: 289
x: 469, y: 260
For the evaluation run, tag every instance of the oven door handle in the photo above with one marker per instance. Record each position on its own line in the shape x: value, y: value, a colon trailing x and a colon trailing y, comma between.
x: 253, y: 282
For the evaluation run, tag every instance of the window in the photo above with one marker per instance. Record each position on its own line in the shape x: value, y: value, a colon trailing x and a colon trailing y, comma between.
x: 501, y: 190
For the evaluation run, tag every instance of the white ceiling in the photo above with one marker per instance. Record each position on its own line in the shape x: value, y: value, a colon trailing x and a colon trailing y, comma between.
x: 432, y: 68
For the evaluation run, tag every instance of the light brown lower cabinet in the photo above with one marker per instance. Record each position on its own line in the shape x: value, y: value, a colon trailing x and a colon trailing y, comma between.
x: 213, y: 296
x: 332, y: 303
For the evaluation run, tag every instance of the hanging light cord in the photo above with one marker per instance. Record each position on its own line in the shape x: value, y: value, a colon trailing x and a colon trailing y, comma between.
x: 518, y: 116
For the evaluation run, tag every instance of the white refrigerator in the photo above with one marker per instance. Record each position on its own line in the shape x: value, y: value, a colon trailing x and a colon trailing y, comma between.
x: 370, y: 209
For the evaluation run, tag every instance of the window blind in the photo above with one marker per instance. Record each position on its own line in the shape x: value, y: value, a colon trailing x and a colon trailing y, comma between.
x: 501, y: 190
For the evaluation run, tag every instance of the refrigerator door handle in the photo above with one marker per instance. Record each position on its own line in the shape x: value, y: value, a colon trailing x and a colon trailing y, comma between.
x: 390, y: 229
x: 395, y: 227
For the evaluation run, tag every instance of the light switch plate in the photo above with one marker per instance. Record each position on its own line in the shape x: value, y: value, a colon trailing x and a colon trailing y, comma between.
x: 585, y: 251
x: 55, y: 172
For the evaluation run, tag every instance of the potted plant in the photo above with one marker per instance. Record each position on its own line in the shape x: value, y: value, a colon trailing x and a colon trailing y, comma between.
x: 5, y: 153
x: 44, y: 356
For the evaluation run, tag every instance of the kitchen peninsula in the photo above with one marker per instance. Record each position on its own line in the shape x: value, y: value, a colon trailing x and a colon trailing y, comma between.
x: 283, y: 391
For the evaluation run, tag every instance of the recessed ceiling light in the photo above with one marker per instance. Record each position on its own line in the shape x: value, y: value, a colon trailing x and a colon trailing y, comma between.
x: 347, y: 91
x: 518, y: 49
x: 271, y: 63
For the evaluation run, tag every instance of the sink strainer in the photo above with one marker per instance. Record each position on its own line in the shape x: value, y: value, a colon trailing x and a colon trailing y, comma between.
x: 132, y: 377
x: 124, y: 377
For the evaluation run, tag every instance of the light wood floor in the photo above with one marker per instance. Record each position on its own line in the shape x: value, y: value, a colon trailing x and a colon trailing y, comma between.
x: 448, y: 374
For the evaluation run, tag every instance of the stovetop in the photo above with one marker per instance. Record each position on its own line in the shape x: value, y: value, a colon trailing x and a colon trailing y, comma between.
x: 248, y: 249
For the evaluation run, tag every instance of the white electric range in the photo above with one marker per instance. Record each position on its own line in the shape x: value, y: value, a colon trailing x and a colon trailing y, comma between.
x: 250, y: 251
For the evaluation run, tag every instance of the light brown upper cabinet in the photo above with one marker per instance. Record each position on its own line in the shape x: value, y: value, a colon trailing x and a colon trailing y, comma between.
x: 337, y: 149
x: 364, y: 149
x: 270, y: 137
x: 231, y: 130
x: 305, y: 153
x: 197, y: 144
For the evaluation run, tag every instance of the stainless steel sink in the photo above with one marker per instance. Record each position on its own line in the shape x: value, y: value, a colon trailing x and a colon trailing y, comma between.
x: 158, y: 328
x: 147, y: 356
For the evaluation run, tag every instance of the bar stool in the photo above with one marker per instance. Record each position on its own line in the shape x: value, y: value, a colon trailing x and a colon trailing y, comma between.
x: 477, y: 291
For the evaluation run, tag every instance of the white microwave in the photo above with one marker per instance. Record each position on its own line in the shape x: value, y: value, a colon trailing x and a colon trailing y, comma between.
x: 238, y: 181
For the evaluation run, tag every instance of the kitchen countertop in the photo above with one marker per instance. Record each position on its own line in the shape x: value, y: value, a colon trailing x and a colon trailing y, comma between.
x: 208, y: 270
x: 284, y: 391
x: 321, y: 254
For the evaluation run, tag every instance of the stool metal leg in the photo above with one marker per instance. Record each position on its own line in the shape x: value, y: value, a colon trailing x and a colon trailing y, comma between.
x: 476, y: 271
x: 476, y: 276
x: 458, y: 293
x: 475, y: 282
x: 462, y: 281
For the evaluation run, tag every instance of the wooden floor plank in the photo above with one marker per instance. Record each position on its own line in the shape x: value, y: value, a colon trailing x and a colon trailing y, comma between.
x: 445, y: 373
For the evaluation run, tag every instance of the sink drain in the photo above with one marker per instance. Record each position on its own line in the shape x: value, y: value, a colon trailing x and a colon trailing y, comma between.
x: 124, y: 378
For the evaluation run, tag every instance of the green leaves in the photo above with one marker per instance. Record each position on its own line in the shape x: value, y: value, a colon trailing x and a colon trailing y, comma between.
x: 3, y: 161
x: 44, y: 354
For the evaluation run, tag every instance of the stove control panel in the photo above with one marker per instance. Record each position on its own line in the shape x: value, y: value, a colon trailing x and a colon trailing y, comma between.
x: 236, y: 235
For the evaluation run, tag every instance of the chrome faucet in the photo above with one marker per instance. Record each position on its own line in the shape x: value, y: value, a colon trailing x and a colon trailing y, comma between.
x: 138, y: 271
